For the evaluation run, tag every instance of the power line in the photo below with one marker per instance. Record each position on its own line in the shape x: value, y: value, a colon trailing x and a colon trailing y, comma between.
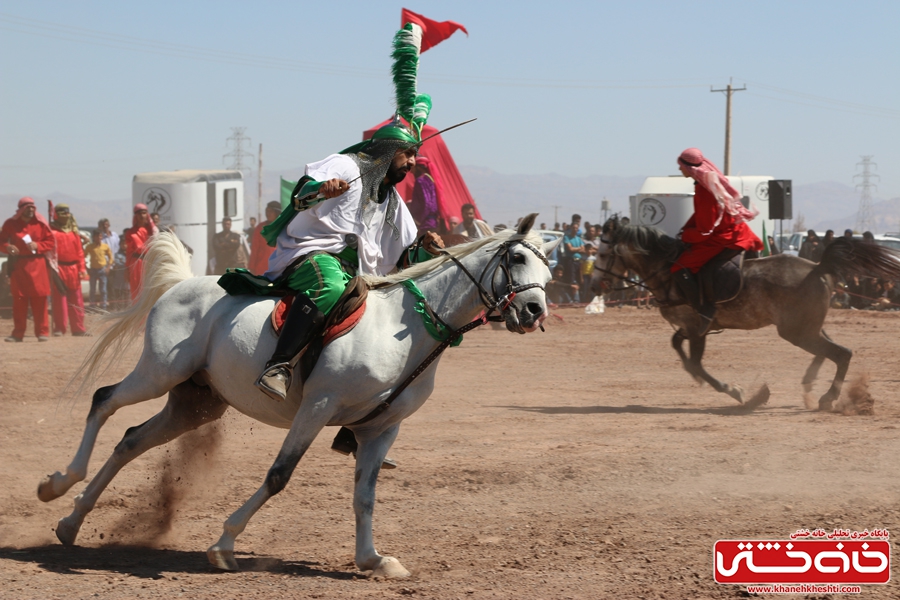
x: 729, y: 91
x: 238, y: 154
x: 864, y: 219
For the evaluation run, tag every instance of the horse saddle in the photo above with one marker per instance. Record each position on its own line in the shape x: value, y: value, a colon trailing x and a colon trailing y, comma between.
x: 345, y: 315
x: 721, y: 279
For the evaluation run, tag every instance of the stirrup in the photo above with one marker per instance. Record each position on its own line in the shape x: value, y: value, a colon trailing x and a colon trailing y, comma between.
x: 344, y: 444
x: 707, y: 315
x: 275, y: 381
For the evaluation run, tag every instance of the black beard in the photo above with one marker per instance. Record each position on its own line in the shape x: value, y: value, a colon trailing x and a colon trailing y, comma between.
x: 396, y: 175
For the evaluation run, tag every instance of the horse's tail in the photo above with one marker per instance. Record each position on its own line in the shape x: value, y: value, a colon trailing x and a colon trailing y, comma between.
x: 845, y: 257
x: 166, y: 263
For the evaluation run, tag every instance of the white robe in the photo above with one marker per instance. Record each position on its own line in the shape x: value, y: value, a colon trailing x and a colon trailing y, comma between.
x: 324, y: 227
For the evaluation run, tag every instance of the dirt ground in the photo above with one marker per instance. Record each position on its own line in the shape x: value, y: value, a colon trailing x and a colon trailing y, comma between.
x: 578, y: 463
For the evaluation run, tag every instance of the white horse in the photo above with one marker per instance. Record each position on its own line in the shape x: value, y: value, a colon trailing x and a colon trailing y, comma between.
x: 206, y: 348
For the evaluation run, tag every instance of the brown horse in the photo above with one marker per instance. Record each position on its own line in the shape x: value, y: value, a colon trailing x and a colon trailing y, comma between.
x: 791, y: 293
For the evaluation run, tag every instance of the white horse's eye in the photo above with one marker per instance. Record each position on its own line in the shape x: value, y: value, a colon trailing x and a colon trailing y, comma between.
x: 518, y: 259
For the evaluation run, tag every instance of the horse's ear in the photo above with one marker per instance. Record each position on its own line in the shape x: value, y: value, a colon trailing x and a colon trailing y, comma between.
x: 548, y: 247
x: 526, y: 224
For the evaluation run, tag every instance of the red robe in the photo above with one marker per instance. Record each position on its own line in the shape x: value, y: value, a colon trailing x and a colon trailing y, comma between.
x: 29, y: 277
x: 70, y: 256
x: 260, y: 251
x: 68, y: 308
x: 707, y: 239
x: 135, y: 240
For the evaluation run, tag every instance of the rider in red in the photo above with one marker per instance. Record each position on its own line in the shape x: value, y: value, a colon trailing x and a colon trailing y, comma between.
x: 719, y: 222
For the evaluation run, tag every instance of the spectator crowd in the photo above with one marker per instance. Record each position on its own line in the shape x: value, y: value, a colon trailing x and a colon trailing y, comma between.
x: 48, y: 262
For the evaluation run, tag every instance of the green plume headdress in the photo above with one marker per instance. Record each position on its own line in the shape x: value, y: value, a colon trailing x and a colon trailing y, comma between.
x: 411, y: 105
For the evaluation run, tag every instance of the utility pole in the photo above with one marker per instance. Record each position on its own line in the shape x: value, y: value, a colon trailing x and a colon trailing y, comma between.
x: 864, y: 220
x: 556, y: 208
x: 728, y: 93
x: 238, y: 154
x: 259, y: 218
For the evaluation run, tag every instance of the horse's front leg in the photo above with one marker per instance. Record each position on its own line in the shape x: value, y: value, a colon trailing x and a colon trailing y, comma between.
x: 369, y: 457
x: 678, y: 339
x: 698, y: 346
x: 306, y: 426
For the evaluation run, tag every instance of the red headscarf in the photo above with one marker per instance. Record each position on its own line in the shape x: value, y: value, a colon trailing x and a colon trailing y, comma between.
x: 709, y: 176
x: 25, y: 202
x: 136, y: 221
x: 434, y: 172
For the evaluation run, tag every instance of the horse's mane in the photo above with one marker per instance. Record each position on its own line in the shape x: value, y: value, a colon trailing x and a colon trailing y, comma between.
x: 647, y: 240
x: 459, y: 251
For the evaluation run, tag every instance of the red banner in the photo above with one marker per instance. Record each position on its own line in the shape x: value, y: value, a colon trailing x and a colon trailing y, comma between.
x: 433, y: 32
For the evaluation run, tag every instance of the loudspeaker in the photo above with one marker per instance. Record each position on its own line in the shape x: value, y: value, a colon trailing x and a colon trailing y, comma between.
x: 780, y: 199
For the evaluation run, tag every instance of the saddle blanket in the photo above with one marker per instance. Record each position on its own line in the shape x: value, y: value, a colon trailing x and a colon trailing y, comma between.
x: 332, y: 330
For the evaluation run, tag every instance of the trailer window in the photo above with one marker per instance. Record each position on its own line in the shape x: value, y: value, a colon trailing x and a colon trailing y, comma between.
x: 230, y: 208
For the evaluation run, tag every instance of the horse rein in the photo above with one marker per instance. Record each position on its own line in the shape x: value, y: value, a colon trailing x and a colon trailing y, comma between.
x: 609, y: 263
x: 492, y: 303
x: 611, y: 260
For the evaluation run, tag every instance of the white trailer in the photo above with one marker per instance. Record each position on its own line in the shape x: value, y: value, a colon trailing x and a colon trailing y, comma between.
x: 195, y: 203
x: 668, y: 202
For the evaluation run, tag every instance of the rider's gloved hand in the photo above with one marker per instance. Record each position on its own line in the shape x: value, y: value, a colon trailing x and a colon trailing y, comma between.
x: 432, y: 242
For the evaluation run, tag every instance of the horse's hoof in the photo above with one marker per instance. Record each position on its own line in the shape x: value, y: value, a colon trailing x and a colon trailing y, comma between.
x: 390, y: 568
x: 736, y: 392
x: 46, y: 493
x: 759, y: 398
x: 222, y: 559
x: 826, y: 404
x: 67, y: 531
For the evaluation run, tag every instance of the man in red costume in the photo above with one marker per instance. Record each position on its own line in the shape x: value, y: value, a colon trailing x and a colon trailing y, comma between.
x: 27, y: 239
x: 68, y: 306
x: 719, y: 222
x: 260, y: 251
x: 142, y: 229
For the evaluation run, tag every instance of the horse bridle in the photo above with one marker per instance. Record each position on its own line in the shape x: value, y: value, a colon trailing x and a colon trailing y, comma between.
x: 611, y: 260
x: 491, y: 302
x: 495, y: 301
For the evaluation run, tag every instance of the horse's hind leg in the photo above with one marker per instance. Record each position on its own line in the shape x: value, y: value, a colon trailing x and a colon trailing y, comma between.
x: 189, y: 406
x: 822, y: 347
x: 697, y: 347
x: 137, y: 387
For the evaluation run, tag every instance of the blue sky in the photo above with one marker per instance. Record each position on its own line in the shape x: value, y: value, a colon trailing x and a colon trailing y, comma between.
x: 95, y: 91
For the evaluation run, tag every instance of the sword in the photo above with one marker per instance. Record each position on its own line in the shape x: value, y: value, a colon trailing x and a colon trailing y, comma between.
x: 380, y: 162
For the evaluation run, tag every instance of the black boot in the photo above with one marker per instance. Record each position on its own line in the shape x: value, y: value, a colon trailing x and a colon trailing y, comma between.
x: 689, y: 286
x: 303, y: 323
x: 345, y: 443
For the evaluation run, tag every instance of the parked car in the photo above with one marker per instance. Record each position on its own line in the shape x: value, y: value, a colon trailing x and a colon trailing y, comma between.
x: 795, y: 241
x: 550, y: 236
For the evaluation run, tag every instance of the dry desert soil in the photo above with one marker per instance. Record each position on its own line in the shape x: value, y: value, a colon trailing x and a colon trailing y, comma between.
x: 578, y: 463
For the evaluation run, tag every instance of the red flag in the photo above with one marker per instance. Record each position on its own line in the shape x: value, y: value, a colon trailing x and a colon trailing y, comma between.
x: 433, y: 32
